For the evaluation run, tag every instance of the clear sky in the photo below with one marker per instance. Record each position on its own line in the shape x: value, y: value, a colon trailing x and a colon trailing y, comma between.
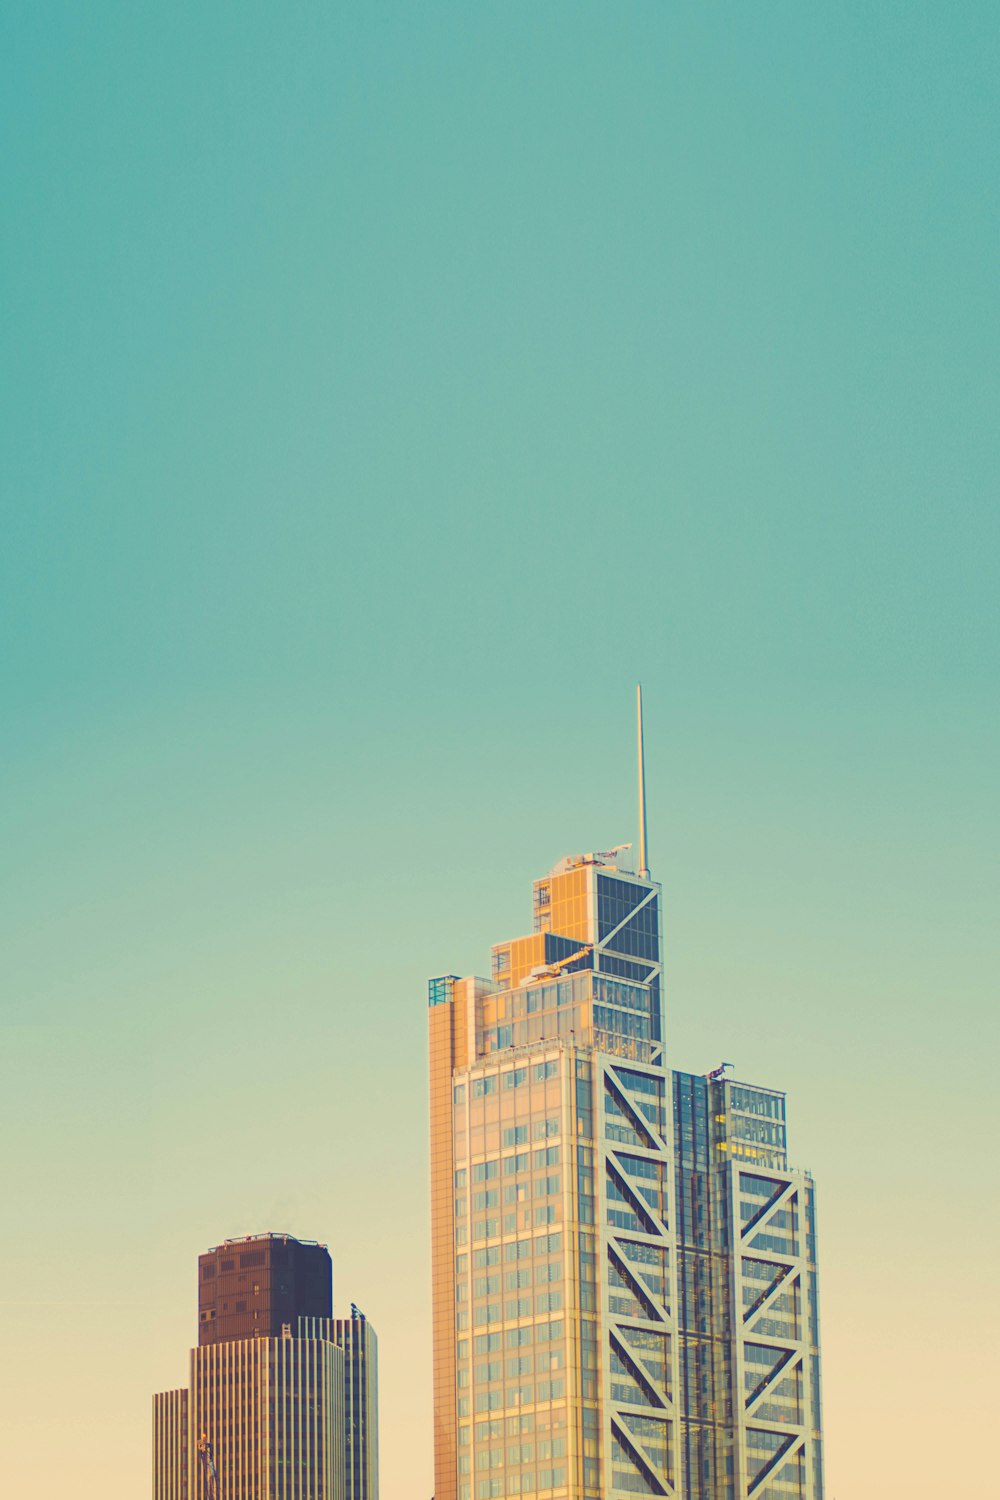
x: 386, y: 389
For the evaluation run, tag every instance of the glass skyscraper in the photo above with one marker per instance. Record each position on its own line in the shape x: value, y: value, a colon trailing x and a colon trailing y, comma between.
x: 624, y: 1264
x: 356, y: 1337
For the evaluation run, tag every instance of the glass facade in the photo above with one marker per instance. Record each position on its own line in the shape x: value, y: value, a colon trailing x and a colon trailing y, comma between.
x: 356, y: 1337
x: 624, y: 1265
x: 273, y: 1410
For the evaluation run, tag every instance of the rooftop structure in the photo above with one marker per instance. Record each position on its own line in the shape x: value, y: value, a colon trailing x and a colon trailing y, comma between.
x: 256, y: 1286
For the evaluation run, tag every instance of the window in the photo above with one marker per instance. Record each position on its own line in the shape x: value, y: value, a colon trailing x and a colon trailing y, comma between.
x: 548, y: 1302
x: 515, y: 1338
x: 517, y: 1250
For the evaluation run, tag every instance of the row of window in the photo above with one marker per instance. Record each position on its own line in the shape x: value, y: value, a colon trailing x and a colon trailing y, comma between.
x: 514, y: 1368
x: 487, y: 1171
x: 513, y: 1281
x: 775, y: 1244
x: 753, y: 1102
x: 517, y: 1134
x: 515, y: 1484
x: 519, y: 1453
x: 622, y: 993
x: 538, y: 1247
x: 519, y: 1307
x: 514, y: 1192
x: 763, y: 1132
x: 523, y: 1395
x: 519, y: 1423
x: 513, y: 1338
x: 490, y: 1229
x: 511, y: 1079
x: 621, y: 1023
x: 636, y: 1049
x: 752, y: 1186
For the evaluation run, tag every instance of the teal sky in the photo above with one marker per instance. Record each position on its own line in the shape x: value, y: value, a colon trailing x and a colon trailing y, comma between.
x: 385, y: 390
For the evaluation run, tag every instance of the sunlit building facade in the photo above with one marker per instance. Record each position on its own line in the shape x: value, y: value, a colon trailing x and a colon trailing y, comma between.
x: 170, y: 1445
x: 281, y: 1400
x: 624, y: 1266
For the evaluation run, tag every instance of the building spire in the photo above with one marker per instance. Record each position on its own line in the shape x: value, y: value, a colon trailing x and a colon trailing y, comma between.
x: 643, y: 866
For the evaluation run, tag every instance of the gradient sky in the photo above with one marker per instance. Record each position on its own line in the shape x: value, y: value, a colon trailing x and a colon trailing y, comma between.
x: 386, y: 389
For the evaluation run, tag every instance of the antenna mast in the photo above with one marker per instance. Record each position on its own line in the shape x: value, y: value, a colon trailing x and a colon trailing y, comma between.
x: 643, y: 866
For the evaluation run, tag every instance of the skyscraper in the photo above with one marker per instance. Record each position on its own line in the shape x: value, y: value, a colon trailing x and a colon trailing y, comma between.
x: 356, y: 1337
x: 265, y: 1405
x: 624, y: 1265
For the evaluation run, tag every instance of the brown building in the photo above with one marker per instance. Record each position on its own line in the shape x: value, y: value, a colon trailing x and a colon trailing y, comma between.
x: 258, y: 1286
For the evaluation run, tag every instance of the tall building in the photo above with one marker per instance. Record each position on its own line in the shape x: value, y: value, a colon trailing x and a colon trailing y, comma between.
x: 265, y: 1406
x: 624, y: 1264
x: 356, y: 1337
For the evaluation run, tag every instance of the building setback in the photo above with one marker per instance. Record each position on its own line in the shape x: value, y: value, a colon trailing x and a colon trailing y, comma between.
x: 624, y: 1265
x: 170, y: 1445
x: 266, y: 1402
